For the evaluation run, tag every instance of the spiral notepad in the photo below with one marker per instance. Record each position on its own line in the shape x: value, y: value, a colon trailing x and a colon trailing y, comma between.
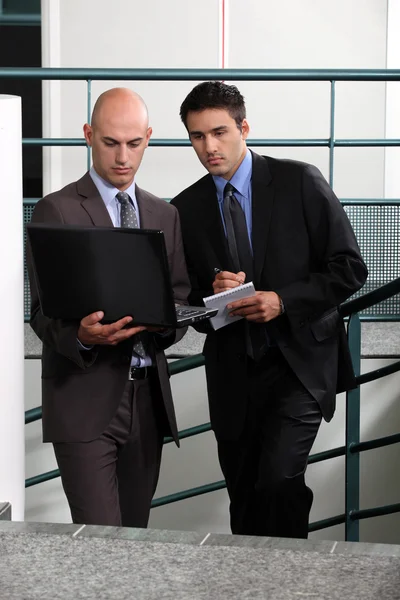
x: 221, y: 300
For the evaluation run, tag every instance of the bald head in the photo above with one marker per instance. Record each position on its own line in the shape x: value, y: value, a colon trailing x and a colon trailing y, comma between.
x: 118, y: 100
x: 118, y: 135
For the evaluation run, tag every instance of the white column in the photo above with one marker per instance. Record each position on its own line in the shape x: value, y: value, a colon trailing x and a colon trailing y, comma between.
x: 392, y: 155
x: 12, y: 452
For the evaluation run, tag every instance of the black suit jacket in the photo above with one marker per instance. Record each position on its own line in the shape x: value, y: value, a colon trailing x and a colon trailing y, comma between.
x: 81, y: 390
x: 304, y: 250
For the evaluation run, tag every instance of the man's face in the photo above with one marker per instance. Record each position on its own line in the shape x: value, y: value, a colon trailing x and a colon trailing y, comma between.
x: 217, y: 140
x: 118, y: 141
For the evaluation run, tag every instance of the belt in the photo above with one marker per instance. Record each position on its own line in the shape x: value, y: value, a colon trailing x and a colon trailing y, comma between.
x: 136, y: 373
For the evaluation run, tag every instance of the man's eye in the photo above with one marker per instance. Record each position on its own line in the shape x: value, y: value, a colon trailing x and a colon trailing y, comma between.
x: 109, y: 143
x: 135, y: 145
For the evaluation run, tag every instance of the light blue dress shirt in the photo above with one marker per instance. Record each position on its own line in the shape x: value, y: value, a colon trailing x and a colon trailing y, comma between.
x: 108, y: 194
x: 241, y: 181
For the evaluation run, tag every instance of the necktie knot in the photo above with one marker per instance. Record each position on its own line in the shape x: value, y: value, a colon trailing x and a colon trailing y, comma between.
x: 128, y: 212
x: 229, y: 190
x: 123, y: 198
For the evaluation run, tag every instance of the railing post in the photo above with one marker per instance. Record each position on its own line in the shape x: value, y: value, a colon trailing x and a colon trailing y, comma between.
x: 332, y: 133
x: 88, y: 118
x: 352, y: 483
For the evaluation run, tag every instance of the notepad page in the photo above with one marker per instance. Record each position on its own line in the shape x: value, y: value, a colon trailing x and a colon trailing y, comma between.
x: 221, y: 301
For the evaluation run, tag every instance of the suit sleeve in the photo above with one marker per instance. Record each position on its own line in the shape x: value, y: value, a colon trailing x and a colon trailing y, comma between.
x: 337, y: 268
x: 58, y: 334
x: 179, y: 280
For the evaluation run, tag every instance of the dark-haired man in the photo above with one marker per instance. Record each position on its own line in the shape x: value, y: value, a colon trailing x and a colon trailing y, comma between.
x: 273, y: 375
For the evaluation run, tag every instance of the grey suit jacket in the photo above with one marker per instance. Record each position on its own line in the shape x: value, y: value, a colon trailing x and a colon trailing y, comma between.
x: 81, y: 389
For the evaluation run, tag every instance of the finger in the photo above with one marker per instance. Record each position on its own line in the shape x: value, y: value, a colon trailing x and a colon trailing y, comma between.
x: 92, y: 319
x: 238, y: 278
x: 225, y: 275
x: 225, y: 284
x: 109, y: 330
x: 124, y: 334
x: 249, y: 301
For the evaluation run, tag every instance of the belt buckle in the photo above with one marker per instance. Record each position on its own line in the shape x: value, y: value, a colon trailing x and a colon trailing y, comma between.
x: 136, y: 373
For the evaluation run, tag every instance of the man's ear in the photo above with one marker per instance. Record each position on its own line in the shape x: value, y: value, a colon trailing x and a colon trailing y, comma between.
x: 148, y: 135
x: 245, y: 129
x: 88, y: 133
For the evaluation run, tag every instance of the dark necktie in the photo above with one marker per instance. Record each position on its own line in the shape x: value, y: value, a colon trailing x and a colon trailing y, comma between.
x: 129, y: 219
x: 236, y: 233
x: 242, y: 258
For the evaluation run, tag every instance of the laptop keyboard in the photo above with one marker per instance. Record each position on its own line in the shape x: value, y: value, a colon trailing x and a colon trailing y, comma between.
x: 188, y: 312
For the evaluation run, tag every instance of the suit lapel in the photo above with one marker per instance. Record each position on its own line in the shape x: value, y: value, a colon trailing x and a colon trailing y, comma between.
x: 92, y: 202
x: 148, y: 218
x: 262, y: 203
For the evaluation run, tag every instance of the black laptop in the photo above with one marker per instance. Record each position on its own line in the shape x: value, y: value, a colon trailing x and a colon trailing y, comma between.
x: 122, y: 272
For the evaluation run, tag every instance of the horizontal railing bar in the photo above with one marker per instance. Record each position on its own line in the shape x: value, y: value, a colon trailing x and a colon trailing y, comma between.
x: 356, y: 143
x: 267, y: 142
x: 327, y: 454
x: 344, y: 201
x: 202, y: 74
x: 370, y: 201
x: 375, y: 512
x: 20, y: 19
x: 42, y: 478
x: 53, y: 142
x: 378, y: 373
x: 338, y: 520
x: 173, y: 142
x: 190, y: 432
x: 367, y: 300
x: 376, y: 443
x: 191, y: 493
x: 185, y: 364
x: 34, y: 414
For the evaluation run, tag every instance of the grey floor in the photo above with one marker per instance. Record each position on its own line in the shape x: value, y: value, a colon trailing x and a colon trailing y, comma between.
x: 50, y: 561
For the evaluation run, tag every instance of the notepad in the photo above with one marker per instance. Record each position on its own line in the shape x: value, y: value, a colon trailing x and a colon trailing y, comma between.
x: 221, y: 301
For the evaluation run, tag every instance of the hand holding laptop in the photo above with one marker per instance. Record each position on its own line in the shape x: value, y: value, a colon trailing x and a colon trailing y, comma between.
x: 91, y: 332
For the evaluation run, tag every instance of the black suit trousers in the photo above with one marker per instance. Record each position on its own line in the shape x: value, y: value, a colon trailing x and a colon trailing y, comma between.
x: 111, y: 480
x: 264, y: 469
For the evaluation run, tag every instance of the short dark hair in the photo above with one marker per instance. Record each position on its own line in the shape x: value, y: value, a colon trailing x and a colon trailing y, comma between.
x: 214, y: 94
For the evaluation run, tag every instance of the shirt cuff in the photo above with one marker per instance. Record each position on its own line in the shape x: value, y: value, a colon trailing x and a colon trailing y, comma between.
x: 82, y: 347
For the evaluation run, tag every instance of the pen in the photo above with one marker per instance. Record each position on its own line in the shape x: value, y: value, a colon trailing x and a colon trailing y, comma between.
x: 216, y: 270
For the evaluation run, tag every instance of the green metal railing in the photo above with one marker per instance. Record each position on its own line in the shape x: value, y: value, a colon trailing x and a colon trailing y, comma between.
x: 353, y: 447
x: 351, y: 450
x: 331, y: 76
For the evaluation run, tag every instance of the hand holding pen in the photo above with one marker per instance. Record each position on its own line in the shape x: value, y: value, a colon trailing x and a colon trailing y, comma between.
x: 225, y: 280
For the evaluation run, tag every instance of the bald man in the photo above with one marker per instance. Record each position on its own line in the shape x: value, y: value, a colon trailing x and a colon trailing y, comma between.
x: 107, y: 408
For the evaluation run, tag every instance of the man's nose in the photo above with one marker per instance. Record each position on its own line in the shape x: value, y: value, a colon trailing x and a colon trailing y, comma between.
x: 122, y: 155
x: 210, y: 145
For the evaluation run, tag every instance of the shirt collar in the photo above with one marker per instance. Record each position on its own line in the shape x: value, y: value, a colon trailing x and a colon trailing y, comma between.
x: 107, y: 191
x: 240, y: 180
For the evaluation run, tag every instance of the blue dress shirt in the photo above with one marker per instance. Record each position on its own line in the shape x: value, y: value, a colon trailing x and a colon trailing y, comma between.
x: 241, y: 181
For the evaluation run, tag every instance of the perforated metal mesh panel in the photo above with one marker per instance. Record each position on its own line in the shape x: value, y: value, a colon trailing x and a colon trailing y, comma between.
x: 28, y: 210
x: 377, y: 229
